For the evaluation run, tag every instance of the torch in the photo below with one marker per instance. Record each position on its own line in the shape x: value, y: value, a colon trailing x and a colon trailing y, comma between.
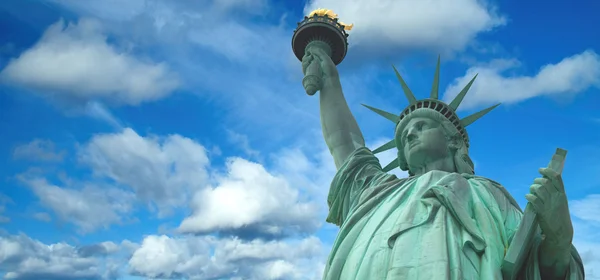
x: 320, y: 29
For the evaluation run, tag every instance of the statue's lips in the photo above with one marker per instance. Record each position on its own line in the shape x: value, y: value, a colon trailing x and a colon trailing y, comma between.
x: 413, y: 144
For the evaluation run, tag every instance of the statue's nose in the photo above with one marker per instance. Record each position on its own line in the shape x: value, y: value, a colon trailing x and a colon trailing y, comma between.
x: 411, y: 136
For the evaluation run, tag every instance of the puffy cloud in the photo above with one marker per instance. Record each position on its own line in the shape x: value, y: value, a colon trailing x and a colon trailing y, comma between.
x: 75, y: 62
x: 212, y: 258
x: 249, y: 198
x: 172, y: 172
x: 38, y: 149
x: 570, y: 76
x: 440, y: 25
x: 103, y: 248
x: 24, y: 258
x: 89, y: 207
x: 163, y: 172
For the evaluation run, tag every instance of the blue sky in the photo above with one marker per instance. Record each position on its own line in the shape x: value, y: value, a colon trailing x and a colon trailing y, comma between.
x: 173, y: 139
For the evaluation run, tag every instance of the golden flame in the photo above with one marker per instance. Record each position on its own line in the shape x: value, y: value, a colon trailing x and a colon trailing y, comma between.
x: 331, y: 15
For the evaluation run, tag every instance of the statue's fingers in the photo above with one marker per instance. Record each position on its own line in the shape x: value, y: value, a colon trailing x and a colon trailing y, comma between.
x: 307, y: 58
x: 307, y: 55
x: 320, y: 54
x: 541, y: 181
x: 306, y: 62
x: 536, y: 203
x: 544, y: 191
x: 536, y: 190
x: 549, y: 173
x: 554, y: 177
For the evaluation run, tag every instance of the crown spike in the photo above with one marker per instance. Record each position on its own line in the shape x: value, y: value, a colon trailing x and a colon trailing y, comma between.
x: 387, y: 146
x: 459, y: 98
x: 472, y: 118
x: 387, y: 115
x: 391, y: 166
x: 409, y: 95
x: 436, y: 81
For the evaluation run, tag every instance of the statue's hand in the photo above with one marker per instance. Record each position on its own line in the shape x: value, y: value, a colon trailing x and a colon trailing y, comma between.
x: 549, y: 201
x: 327, y: 66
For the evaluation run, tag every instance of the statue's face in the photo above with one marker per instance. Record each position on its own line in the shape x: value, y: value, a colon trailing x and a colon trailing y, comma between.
x: 423, y: 140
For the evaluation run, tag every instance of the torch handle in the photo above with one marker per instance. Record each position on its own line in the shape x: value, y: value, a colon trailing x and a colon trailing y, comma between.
x: 313, y: 78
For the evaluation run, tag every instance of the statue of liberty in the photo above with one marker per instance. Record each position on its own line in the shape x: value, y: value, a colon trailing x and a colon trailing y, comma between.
x: 443, y: 221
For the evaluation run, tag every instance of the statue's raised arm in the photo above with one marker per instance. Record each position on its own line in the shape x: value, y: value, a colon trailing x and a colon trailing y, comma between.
x: 320, y: 42
x: 340, y: 129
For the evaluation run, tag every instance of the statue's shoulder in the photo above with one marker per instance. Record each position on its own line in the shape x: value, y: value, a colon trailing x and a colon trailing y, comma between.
x: 495, y: 185
x: 484, y: 180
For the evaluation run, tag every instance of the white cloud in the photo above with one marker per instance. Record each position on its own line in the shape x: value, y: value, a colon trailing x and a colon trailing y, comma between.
x: 440, y: 25
x: 589, y: 253
x: 211, y: 258
x: 587, y: 208
x: 24, y: 258
x: 89, y: 207
x: 98, y: 111
x: 163, y: 172
x: 248, y: 196
x: 570, y: 76
x: 586, y: 224
x: 99, y: 249
x: 242, y: 142
x: 76, y: 62
x: 174, y: 172
x: 38, y: 149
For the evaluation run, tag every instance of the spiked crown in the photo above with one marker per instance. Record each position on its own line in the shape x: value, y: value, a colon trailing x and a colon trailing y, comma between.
x: 431, y: 103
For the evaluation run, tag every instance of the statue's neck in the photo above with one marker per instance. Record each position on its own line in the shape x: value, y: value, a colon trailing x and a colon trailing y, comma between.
x: 444, y: 164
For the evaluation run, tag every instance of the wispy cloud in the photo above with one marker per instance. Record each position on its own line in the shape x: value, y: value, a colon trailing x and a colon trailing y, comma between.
x: 4, y: 200
x: 89, y: 207
x: 38, y: 150
x: 570, y: 76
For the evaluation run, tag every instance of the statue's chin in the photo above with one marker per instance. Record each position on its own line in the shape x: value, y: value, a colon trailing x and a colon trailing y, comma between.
x: 416, y: 154
x: 420, y: 155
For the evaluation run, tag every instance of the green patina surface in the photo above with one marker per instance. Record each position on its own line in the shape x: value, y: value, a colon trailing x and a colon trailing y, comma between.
x: 443, y: 221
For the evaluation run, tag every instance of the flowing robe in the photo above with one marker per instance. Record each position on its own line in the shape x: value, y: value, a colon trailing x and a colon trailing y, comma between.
x: 438, y: 225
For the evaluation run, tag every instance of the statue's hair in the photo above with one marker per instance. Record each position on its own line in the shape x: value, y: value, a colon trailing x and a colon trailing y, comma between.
x: 460, y: 153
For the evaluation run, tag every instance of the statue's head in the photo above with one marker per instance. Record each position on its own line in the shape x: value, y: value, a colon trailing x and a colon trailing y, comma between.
x: 429, y: 136
x: 429, y: 130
